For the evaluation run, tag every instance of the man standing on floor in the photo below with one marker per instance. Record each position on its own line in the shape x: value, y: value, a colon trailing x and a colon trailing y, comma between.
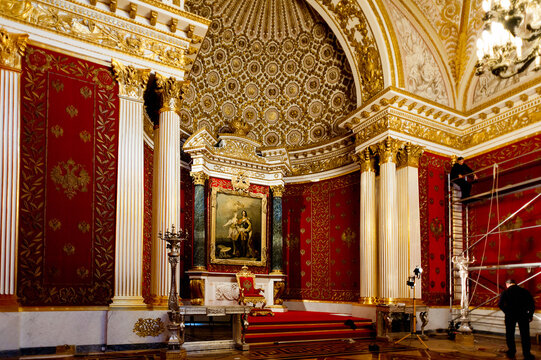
x: 518, y: 306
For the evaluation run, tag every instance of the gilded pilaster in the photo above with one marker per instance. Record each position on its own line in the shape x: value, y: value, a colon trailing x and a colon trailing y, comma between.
x: 368, y: 230
x: 409, y: 237
x: 166, y: 189
x: 130, y: 193
x: 199, y: 233
x: 277, y: 238
x: 388, y: 219
x: 12, y: 48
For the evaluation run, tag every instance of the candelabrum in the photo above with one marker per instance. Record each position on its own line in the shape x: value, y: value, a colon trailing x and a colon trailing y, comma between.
x: 176, y: 319
x: 510, y: 41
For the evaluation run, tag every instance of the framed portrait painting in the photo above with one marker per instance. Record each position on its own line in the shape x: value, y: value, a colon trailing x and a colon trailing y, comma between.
x: 238, y: 228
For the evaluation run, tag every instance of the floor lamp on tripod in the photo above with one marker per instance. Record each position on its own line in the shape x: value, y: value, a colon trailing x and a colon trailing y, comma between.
x: 411, y: 283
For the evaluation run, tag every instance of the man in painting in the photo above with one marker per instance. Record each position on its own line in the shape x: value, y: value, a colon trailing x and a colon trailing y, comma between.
x: 245, y: 229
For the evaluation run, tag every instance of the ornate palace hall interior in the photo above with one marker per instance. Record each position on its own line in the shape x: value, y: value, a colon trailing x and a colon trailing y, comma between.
x: 260, y: 179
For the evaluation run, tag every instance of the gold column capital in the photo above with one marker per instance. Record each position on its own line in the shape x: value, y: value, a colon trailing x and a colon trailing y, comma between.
x: 12, y: 49
x: 409, y: 155
x: 132, y: 81
x: 199, y: 177
x: 277, y: 190
x: 171, y: 90
x: 387, y: 149
x: 366, y: 159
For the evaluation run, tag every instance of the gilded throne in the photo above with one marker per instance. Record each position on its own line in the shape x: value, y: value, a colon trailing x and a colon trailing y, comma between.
x: 248, y: 293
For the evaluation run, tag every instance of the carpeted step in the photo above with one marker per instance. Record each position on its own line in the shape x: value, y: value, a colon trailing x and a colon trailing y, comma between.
x: 283, y: 327
x: 309, y: 335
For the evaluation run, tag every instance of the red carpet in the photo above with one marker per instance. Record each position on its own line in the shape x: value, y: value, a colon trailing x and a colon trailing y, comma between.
x: 305, y: 325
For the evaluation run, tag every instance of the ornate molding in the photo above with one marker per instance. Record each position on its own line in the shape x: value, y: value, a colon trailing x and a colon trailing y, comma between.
x: 92, y: 25
x: 278, y: 291
x: 170, y: 91
x: 354, y: 25
x: 277, y: 190
x: 240, y: 182
x: 199, y: 178
x: 367, y: 160
x: 388, y: 150
x: 409, y: 155
x: 149, y: 327
x: 132, y: 81
x: 12, y: 49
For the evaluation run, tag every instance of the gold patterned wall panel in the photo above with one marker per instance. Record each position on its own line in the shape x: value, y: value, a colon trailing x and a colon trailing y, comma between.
x: 273, y: 63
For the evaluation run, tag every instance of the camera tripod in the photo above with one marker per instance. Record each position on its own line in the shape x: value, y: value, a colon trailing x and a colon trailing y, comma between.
x: 413, y: 331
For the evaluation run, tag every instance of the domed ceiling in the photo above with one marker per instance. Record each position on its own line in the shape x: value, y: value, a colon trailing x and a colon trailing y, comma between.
x: 273, y: 63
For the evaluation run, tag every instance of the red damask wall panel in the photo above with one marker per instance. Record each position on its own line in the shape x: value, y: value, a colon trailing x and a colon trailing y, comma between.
x: 321, y: 235
x: 515, y: 242
x: 147, y: 222
x: 69, y: 148
x: 186, y: 222
x: 434, y: 242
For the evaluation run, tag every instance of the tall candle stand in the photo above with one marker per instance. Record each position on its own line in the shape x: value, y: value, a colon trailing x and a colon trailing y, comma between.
x: 176, y: 319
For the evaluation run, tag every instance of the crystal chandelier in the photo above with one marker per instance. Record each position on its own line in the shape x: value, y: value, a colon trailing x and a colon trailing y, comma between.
x: 509, y: 44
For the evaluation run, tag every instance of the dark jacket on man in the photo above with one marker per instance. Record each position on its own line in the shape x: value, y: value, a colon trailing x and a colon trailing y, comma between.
x: 517, y: 303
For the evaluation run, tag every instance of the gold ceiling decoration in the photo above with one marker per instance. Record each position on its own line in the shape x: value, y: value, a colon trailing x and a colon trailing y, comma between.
x: 272, y: 64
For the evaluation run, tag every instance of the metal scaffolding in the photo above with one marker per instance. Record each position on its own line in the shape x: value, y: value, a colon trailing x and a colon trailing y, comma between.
x: 461, y: 243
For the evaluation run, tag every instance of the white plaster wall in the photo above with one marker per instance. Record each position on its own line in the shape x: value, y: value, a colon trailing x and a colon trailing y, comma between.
x: 318, y: 306
x: 120, y: 327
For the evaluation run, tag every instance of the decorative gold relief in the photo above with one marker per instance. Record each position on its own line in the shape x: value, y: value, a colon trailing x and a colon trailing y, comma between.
x: 132, y: 81
x: 321, y: 165
x: 57, y: 131
x: 170, y: 90
x: 12, y: 46
x: 83, y: 227
x: 69, y: 249
x: 240, y: 127
x: 197, y: 290
x: 82, y: 272
x: 85, y: 136
x: 55, y: 224
x: 279, y: 288
x: 277, y: 190
x: 57, y: 85
x: 367, y: 160
x: 240, y: 182
x: 111, y: 32
x: 409, y: 155
x: 149, y: 327
x: 348, y: 236
x: 86, y: 92
x: 199, y: 178
x: 388, y: 150
x: 72, y: 111
x: 71, y: 177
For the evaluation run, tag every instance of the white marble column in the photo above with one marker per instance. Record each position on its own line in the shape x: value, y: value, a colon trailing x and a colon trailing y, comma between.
x: 388, y: 221
x: 130, y: 187
x: 12, y: 49
x: 368, y: 229
x: 409, y: 221
x: 166, y: 187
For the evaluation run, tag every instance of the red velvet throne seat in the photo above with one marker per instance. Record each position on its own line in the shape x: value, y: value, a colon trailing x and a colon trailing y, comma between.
x: 248, y: 293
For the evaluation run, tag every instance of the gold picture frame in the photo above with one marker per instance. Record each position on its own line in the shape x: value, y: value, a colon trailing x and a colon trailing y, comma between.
x: 238, y: 233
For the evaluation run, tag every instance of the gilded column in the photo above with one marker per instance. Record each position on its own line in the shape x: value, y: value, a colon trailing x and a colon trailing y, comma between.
x: 368, y: 230
x: 199, y: 259
x: 166, y: 208
x: 130, y: 193
x: 409, y: 221
x: 277, y: 239
x: 12, y: 48
x: 388, y: 220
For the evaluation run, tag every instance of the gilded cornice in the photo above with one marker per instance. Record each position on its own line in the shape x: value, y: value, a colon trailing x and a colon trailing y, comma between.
x: 277, y: 190
x: 199, y: 177
x: 170, y: 91
x: 12, y: 48
x: 132, y: 81
x: 352, y: 21
x: 387, y: 150
x: 409, y: 155
x: 101, y: 28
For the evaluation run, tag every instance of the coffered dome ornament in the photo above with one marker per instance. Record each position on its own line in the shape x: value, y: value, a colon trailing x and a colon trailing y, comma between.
x: 272, y: 64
